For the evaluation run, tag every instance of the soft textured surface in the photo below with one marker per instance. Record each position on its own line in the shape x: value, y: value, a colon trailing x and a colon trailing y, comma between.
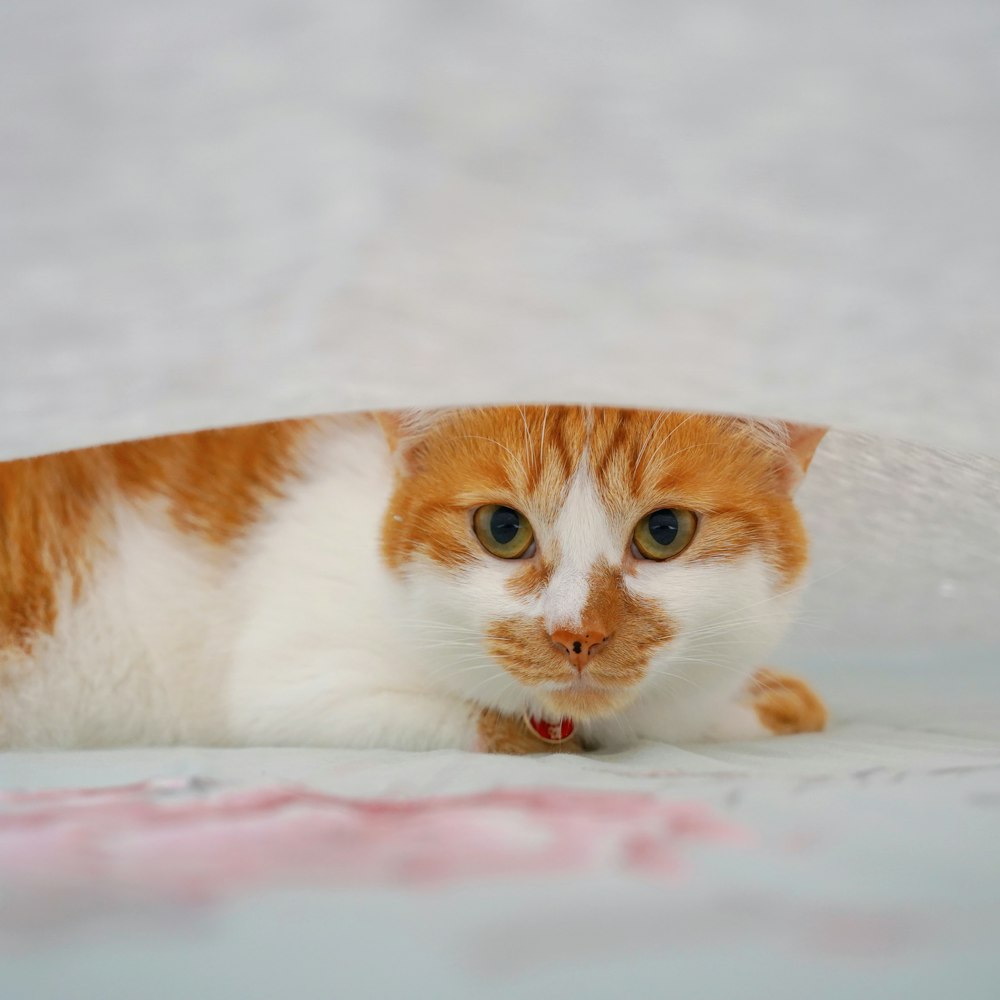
x: 806, y: 867
x: 861, y: 861
x: 224, y: 213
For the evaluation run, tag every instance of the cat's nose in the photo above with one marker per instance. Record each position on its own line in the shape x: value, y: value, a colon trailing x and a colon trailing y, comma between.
x: 579, y: 647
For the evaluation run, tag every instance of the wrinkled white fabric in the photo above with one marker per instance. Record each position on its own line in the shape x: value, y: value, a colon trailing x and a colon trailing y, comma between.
x: 274, y: 208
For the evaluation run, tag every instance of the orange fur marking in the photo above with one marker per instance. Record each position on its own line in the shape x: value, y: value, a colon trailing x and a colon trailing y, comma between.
x: 785, y: 704
x: 634, y: 626
x: 533, y: 578
x: 55, y: 509
x: 215, y: 482
x: 48, y: 507
x: 739, y: 481
x: 527, y: 653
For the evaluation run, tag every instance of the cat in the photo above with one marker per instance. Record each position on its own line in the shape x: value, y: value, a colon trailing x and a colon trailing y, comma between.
x: 507, y: 579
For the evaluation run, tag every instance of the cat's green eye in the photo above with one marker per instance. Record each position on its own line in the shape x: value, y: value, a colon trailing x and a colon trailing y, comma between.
x: 503, y: 531
x: 664, y: 533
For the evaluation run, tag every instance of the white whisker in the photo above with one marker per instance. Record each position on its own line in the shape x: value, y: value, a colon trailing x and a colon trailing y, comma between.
x: 664, y: 441
x: 652, y: 430
x: 541, y: 443
x: 527, y: 433
x: 480, y: 437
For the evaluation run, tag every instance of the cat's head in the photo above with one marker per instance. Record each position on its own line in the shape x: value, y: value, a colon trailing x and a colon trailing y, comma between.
x: 559, y: 559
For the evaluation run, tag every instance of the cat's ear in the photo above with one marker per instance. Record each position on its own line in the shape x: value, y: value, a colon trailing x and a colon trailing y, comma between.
x: 405, y: 431
x: 803, y: 440
x: 791, y: 446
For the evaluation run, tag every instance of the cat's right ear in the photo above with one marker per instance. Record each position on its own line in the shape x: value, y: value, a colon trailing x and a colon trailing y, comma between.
x: 405, y: 431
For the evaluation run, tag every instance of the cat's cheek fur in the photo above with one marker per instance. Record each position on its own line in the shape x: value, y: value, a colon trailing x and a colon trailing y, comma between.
x: 448, y: 611
x: 729, y: 615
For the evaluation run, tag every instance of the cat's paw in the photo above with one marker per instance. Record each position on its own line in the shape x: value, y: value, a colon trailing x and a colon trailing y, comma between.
x: 500, y: 733
x: 786, y: 704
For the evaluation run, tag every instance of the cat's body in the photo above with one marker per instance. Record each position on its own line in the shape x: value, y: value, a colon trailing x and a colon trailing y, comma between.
x: 329, y: 582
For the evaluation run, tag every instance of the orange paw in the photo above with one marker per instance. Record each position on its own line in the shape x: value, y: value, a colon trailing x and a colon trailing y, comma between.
x: 786, y: 704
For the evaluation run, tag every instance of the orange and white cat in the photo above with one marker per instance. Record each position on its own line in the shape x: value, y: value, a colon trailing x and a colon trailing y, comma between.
x: 502, y: 579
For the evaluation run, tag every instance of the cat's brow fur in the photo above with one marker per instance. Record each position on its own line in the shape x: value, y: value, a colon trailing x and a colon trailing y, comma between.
x: 318, y: 581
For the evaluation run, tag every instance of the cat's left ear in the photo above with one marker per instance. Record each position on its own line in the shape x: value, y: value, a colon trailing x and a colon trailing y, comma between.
x: 405, y: 431
x: 803, y: 440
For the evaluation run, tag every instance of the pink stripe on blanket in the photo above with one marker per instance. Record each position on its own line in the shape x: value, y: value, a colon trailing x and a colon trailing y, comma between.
x: 174, y: 841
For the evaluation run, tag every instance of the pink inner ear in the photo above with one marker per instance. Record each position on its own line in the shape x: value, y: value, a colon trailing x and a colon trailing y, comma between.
x: 405, y: 430
x: 402, y: 430
x: 391, y: 424
x: 803, y: 440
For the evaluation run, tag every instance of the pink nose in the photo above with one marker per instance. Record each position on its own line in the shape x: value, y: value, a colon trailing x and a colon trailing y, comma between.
x: 579, y: 647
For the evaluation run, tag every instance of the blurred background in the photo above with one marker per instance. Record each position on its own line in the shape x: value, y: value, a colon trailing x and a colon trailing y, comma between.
x: 229, y: 211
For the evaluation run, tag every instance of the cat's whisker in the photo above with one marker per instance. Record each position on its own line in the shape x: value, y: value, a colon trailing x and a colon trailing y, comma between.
x: 482, y: 641
x: 430, y: 623
x: 440, y: 626
x: 724, y: 628
x: 433, y: 629
x: 441, y: 653
x: 452, y: 670
x: 448, y: 644
x: 482, y: 437
x: 449, y: 654
x: 467, y: 666
x: 778, y: 683
x: 798, y: 588
x: 731, y: 631
x: 652, y: 430
x: 424, y: 631
x: 711, y: 661
x: 625, y: 726
x: 730, y: 634
x: 768, y: 600
x: 675, y: 454
x: 441, y: 667
x: 670, y: 675
x: 527, y: 433
x: 541, y: 443
x: 665, y: 440
x: 511, y: 683
x: 627, y: 731
x: 448, y: 670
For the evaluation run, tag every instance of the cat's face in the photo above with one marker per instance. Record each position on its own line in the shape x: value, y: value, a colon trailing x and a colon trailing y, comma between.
x: 561, y: 558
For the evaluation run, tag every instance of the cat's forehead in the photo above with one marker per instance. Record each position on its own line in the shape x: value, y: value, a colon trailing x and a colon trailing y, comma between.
x: 633, y: 457
x: 584, y: 477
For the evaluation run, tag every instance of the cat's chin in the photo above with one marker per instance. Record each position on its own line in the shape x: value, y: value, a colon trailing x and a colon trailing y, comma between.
x: 586, y: 703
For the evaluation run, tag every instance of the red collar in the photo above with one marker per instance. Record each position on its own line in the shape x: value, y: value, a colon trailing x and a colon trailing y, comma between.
x: 551, y: 732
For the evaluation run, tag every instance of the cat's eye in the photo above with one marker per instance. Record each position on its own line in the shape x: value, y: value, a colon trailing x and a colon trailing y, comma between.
x: 664, y: 533
x: 503, y: 531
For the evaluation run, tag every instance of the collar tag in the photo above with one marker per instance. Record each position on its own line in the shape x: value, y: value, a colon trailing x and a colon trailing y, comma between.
x: 551, y: 732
